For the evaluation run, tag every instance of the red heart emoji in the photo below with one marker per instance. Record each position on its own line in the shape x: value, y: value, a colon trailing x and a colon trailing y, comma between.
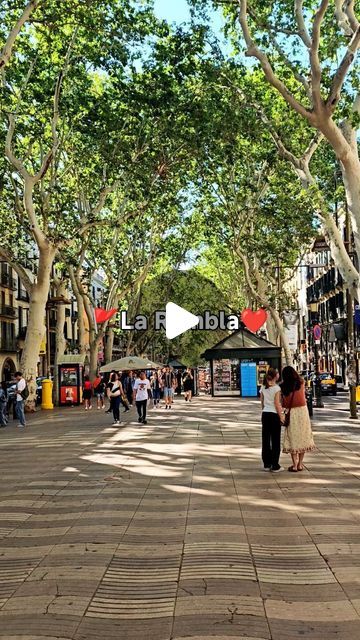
x: 101, y: 315
x: 254, y: 320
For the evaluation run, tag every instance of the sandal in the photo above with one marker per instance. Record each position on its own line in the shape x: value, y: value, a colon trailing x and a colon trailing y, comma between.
x: 300, y: 469
x: 292, y: 470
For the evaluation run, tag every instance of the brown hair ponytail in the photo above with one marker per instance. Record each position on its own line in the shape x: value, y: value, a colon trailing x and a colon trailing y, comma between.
x: 269, y: 377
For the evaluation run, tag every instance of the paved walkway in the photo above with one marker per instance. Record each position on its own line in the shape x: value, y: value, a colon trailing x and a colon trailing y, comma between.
x: 173, y: 531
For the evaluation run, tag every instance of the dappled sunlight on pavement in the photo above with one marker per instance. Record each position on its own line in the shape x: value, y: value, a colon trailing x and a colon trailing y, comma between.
x: 172, y: 530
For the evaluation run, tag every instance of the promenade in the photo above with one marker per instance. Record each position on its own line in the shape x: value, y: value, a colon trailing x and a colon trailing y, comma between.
x: 172, y: 530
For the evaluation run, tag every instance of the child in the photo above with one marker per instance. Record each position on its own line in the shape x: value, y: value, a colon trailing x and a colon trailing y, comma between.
x: 272, y: 417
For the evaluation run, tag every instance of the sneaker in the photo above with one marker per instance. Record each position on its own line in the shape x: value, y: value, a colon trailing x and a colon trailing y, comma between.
x: 267, y: 469
x: 90, y: 407
x: 86, y: 408
x: 20, y: 426
x: 277, y: 470
x: 99, y: 408
x: 116, y: 423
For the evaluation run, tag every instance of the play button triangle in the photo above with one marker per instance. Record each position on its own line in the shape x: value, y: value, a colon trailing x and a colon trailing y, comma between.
x: 178, y: 320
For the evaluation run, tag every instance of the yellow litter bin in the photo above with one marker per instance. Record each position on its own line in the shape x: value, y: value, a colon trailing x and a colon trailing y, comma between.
x: 46, y: 402
x: 358, y: 393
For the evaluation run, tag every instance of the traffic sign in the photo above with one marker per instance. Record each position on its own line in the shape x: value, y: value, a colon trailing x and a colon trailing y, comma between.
x: 317, y: 331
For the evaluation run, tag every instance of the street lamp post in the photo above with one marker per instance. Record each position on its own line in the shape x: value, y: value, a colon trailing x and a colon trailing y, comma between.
x: 314, y: 306
x: 318, y: 390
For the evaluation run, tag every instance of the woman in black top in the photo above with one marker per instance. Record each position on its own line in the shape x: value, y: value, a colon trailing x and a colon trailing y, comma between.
x: 188, y: 381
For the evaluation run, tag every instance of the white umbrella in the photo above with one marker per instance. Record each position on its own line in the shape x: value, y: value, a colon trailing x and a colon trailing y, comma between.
x: 130, y: 363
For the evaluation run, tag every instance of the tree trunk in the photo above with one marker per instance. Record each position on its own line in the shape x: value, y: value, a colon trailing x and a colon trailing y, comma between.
x: 271, y: 330
x: 60, y: 341
x: 82, y: 346
x: 282, y: 334
x: 36, y: 325
x: 109, y: 345
x: 94, y: 353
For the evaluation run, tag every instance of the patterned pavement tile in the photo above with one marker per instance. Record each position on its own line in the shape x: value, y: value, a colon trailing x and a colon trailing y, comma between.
x: 174, y: 532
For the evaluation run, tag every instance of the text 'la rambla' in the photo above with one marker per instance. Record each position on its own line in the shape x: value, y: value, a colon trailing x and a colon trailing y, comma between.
x: 207, y: 322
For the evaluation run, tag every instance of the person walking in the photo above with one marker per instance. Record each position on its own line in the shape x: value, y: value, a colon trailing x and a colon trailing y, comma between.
x: 115, y: 395
x: 188, y: 382
x: 129, y: 389
x: 87, y: 393
x: 21, y: 395
x: 271, y: 419
x: 99, y: 391
x: 298, y: 433
x: 168, y: 382
x: 3, y: 405
x: 155, y: 383
x: 109, y: 386
x: 141, y: 395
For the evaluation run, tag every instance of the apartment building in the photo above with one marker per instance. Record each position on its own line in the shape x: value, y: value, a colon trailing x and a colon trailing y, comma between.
x: 14, y: 313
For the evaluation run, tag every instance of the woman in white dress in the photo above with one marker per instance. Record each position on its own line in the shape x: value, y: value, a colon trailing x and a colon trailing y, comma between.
x: 298, y: 434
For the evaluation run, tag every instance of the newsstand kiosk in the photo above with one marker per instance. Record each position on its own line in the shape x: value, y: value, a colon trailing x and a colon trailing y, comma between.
x: 71, y: 371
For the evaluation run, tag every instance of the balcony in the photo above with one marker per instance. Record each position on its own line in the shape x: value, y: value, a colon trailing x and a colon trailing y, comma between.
x: 8, y: 311
x: 8, y: 344
x: 6, y: 280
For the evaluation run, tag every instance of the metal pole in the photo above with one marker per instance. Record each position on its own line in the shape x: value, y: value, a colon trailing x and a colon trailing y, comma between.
x: 318, y: 390
x: 48, y: 342
x: 350, y: 327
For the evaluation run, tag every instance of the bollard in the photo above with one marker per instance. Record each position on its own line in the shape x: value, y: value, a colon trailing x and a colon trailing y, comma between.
x: 46, y: 401
x: 358, y: 393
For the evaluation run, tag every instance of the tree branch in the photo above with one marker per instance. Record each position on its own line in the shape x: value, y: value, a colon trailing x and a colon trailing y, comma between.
x: 316, y: 71
x: 10, y: 41
x: 297, y: 75
x: 55, y: 119
x: 340, y: 75
x: 342, y: 18
x: 20, y: 270
x: 350, y: 12
x: 303, y: 32
x: 273, y: 79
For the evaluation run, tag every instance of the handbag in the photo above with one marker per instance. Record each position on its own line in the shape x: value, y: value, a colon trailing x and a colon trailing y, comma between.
x: 287, y: 414
x: 116, y: 393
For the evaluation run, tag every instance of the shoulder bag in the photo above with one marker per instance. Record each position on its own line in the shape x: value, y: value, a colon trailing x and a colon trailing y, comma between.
x: 288, y: 411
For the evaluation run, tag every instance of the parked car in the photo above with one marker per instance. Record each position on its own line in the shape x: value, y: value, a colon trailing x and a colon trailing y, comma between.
x: 328, y: 383
x: 11, y: 391
x: 39, y: 382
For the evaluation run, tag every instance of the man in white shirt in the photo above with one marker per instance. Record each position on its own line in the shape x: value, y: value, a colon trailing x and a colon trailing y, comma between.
x: 19, y: 406
x: 141, y: 394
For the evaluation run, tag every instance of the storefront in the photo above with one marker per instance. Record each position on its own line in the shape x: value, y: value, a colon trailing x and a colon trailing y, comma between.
x: 238, y: 364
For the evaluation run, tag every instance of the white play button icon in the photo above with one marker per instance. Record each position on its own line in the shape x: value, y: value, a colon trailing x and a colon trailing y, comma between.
x: 178, y: 320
